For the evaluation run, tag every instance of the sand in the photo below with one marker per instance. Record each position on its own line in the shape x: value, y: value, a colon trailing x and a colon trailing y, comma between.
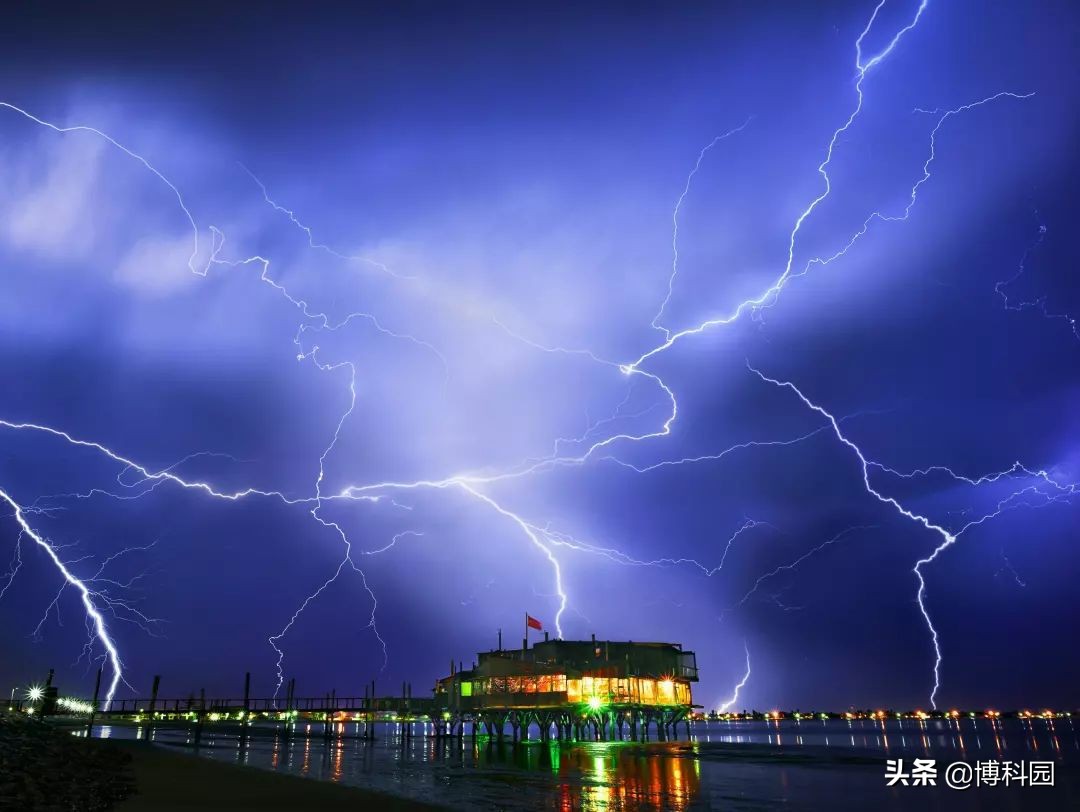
x: 167, y: 779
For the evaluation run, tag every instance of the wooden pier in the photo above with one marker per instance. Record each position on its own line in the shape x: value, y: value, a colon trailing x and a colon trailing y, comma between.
x: 565, y: 690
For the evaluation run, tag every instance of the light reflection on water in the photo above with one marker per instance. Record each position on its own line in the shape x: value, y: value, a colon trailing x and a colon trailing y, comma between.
x: 984, y: 738
x: 727, y: 765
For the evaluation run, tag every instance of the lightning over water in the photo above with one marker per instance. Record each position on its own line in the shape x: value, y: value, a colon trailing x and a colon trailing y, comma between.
x: 337, y: 380
x: 728, y: 704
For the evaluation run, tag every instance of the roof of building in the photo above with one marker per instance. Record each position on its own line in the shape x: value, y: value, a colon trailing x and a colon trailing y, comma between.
x: 582, y: 657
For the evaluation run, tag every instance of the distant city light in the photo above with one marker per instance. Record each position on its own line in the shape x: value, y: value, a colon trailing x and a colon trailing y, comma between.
x: 74, y: 705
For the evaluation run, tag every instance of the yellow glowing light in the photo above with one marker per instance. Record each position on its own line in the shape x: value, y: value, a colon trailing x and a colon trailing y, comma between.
x: 665, y: 689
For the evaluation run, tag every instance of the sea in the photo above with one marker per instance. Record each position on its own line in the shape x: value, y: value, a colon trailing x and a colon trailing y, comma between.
x: 725, y: 765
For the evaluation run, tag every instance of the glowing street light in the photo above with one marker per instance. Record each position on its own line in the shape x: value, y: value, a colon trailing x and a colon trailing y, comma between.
x: 35, y: 693
x: 595, y: 703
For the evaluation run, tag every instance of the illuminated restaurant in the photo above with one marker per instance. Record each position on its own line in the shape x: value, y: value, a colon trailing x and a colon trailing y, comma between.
x: 584, y: 688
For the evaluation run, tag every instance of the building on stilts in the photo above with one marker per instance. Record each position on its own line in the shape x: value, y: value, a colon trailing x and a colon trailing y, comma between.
x: 572, y: 690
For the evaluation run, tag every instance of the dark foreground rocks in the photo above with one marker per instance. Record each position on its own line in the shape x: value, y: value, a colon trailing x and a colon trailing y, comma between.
x: 43, y: 768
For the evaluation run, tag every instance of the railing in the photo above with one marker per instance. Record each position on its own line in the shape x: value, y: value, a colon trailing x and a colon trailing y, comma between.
x: 323, y: 704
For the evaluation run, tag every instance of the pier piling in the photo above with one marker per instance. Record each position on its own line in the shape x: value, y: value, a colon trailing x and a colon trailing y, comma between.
x: 97, y: 693
x: 148, y: 733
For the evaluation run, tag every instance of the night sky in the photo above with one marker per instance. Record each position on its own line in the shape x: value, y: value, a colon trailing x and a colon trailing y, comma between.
x: 467, y: 222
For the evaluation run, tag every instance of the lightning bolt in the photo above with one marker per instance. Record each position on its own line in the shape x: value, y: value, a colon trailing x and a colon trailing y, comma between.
x: 101, y: 630
x: 168, y: 475
x: 619, y: 557
x: 586, y: 448
x: 192, y: 266
x: 146, y: 473
x: 655, y: 324
x: 839, y: 537
x: 1059, y: 492
x: 742, y: 683
x: 322, y: 322
x: 773, y: 290
x: 770, y: 294
x: 534, y: 534
x: 16, y: 563
x: 319, y: 246
x: 1033, y: 304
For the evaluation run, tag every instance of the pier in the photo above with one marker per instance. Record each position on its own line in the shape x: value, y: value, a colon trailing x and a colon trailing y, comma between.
x: 585, y: 690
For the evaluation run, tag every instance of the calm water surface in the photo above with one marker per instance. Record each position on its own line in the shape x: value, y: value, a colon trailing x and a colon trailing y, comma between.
x: 830, y: 764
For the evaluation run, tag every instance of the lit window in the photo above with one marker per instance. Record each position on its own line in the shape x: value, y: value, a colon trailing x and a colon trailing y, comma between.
x: 666, y: 693
x: 573, y: 690
x: 648, y: 690
x: 466, y: 689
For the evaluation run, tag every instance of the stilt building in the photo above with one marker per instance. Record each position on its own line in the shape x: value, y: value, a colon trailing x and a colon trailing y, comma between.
x: 572, y: 689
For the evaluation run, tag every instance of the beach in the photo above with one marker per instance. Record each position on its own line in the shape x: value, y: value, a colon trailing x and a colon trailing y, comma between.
x: 168, y: 778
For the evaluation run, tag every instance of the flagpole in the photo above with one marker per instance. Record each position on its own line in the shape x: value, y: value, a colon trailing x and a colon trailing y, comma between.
x: 526, y: 630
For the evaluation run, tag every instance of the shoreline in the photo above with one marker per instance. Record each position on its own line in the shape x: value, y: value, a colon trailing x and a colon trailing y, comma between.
x: 171, y: 779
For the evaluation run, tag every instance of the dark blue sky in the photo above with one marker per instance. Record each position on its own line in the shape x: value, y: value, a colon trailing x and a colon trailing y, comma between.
x: 490, y: 193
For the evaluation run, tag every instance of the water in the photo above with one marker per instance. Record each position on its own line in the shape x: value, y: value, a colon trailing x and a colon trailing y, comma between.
x: 727, y: 765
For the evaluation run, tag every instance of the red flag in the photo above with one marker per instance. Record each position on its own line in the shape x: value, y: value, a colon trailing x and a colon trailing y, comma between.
x: 533, y: 623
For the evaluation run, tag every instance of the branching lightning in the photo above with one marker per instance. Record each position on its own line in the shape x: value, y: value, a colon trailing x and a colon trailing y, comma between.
x: 619, y: 557
x: 101, y: 631
x: 1039, y: 303
x: 16, y: 563
x: 770, y: 293
x: 675, y: 224
x: 839, y: 537
x: 318, y: 246
x: 322, y: 322
x: 597, y: 444
x: 1057, y: 492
